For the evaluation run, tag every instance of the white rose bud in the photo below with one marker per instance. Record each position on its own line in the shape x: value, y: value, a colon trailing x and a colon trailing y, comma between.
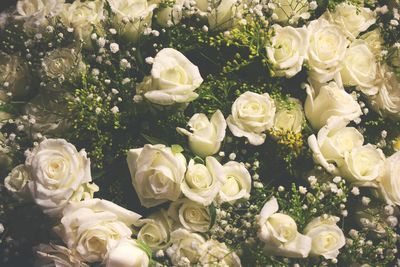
x: 252, y: 115
x: 157, y: 174
x: 218, y: 254
x: 353, y: 19
x: 389, y: 181
x: 202, y: 182
x: 287, y: 50
x: 236, y: 182
x: 326, y: 50
x: 332, y: 142
x: 223, y: 15
x: 362, y: 165
x: 57, y: 171
x: 360, y: 68
x: 279, y: 232
x: 17, y: 182
x: 185, y: 244
x: 289, y: 116
x: 169, y: 16
x: 191, y: 215
x: 286, y: 10
x: 330, y: 101
x: 173, y: 79
x: 132, y: 16
x: 206, y: 135
x: 155, y: 230
x: 126, y: 253
x: 327, y: 237
x: 55, y: 255
x: 92, y: 227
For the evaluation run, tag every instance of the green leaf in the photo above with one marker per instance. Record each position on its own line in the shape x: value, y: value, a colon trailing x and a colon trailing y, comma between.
x: 177, y: 149
x: 154, y: 140
x: 213, y: 214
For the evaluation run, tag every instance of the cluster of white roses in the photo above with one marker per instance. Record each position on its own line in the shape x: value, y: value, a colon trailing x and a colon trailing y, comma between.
x: 57, y: 178
x: 322, y: 237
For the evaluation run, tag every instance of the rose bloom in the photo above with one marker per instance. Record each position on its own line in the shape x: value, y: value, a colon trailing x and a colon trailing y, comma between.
x: 14, y: 73
x: 191, y: 215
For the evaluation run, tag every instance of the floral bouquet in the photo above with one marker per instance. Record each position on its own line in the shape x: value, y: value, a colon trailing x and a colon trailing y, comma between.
x: 200, y: 133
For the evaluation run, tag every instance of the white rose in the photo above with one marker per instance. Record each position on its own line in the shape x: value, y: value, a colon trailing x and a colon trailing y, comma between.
x: 352, y: 19
x: 252, y: 115
x: 157, y: 173
x: 389, y: 181
x: 92, y: 227
x: 290, y: 11
x: 218, y: 254
x: 387, y: 101
x: 191, y: 215
x: 83, y: 17
x: 132, y: 16
x: 186, y: 247
x: 236, y: 182
x: 330, y: 101
x: 155, y: 230
x: 326, y: 50
x: 332, y: 142
x: 202, y: 182
x: 57, y: 171
x: 17, y: 182
x: 327, y: 237
x: 57, y: 256
x: 206, y: 135
x: 126, y: 253
x: 289, y: 116
x: 173, y: 79
x: 374, y: 41
x: 223, y: 14
x: 35, y: 13
x: 169, y: 16
x: 279, y: 232
x: 362, y: 165
x: 15, y: 73
x: 287, y: 50
x: 360, y: 67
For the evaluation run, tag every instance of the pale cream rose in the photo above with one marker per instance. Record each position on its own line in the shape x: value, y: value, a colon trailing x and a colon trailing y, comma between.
x: 191, y: 215
x: 155, y: 230
x: 353, y: 19
x: 186, y: 247
x: 132, y: 17
x: 14, y: 76
x: 327, y: 237
x: 363, y: 165
x: 50, y: 255
x: 126, y: 253
x: 329, y: 101
x: 279, y: 233
x: 290, y: 11
x: 326, y: 50
x: 173, y: 79
x: 157, y: 173
x: 92, y: 227
x: 83, y: 17
x: 360, y: 68
x: 236, y: 182
x: 287, y: 50
x: 252, y: 115
x: 332, y: 142
x: 289, y: 116
x: 17, y: 182
x: 374, y: 41
x: 389, y: 181
x: 205, y: 136
x: 218, y: 254
x: 223, y: 14
x: 387, y: 101
x: 202, y: 182
x: 170, y: 16
x: 57, y: 171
